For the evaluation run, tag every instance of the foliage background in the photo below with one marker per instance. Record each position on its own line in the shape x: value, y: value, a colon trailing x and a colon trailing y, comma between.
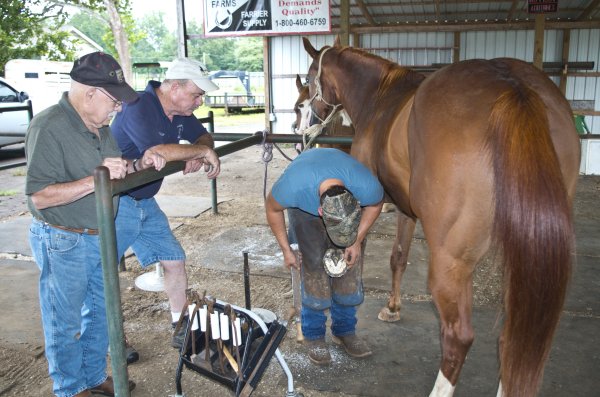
x: 31, y: 29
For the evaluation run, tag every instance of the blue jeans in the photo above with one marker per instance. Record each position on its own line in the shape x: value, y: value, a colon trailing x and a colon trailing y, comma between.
x: 143, y: 226
x: 72, y: 305
x: 343, y: 321
x: 341, y: 296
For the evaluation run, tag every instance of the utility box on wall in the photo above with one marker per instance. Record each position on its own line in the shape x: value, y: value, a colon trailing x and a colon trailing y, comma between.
x: 590, y: 157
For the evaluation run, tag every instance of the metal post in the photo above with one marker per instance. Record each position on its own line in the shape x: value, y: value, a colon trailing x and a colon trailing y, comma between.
x: 247, y: 280
x: 213, y: 182
x: 213, y: 196
x: 211, y: 123
x: 112, y: 292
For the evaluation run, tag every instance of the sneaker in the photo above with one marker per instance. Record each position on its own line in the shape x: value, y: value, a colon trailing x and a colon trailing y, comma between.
x: 318, y: 352
x: 130, y: 353
x: 179, y: 335
x: 354, y: 346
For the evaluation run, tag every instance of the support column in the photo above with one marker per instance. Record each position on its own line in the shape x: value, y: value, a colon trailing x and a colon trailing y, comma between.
x: 538, y: 45
x: 456, y: 48
x: 182, y: 50
x: 565, y: 60
x: 345, y: 22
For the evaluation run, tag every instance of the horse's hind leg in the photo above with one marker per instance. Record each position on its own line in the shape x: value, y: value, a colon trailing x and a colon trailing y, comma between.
x: 398, y: 261
x: 450, y: 282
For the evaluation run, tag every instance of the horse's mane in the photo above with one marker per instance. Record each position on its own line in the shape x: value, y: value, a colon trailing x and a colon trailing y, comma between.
x: 395, y: 83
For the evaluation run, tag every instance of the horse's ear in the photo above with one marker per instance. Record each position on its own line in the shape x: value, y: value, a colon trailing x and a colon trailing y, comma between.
x: 338, y: 41
x: 309, y: 48
x: 299, y: 84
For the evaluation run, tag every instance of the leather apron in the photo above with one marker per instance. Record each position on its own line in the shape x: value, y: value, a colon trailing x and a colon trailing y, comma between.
x: 318, y: 288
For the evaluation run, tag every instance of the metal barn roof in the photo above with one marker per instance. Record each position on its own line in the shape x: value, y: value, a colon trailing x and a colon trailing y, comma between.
x: 365, y: 14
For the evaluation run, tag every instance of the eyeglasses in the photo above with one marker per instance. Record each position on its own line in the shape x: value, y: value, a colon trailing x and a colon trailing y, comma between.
x: 117, y: 103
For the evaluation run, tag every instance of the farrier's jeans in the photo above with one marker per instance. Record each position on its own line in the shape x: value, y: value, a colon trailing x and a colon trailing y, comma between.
x: 341, y: 298
x: 72, y: 305
x: 343, y: 321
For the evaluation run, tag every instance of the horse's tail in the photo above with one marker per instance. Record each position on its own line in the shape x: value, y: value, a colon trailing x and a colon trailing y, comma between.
x: 533, y: 229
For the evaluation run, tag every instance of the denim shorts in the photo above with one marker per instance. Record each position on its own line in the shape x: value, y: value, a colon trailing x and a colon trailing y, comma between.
x: 143, y: 226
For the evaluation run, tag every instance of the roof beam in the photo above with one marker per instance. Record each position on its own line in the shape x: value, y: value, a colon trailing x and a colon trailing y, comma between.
x: 513, y: 8
x: 437, y: 27
x: 365, y: 11
x: 586, y: 14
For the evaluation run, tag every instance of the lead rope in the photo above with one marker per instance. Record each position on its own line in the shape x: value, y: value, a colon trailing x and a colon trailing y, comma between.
x: 267, y: 156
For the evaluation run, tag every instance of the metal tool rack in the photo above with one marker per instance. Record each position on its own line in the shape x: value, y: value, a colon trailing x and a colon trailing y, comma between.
x: 259, y: 342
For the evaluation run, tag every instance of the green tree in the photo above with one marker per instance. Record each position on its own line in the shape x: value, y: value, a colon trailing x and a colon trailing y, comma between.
x: 157, y: 43
x: 117, y: 15
x: 29, y: 29
x: 249, y: 54
x: 93, y: 27
x: 216, y: 53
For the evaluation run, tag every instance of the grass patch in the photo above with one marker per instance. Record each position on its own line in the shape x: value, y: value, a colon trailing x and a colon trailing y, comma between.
x: 6, y: 193
x: 21, y: 171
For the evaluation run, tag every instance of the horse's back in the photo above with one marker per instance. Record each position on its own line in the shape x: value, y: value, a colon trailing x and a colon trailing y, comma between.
x: 451, y: 114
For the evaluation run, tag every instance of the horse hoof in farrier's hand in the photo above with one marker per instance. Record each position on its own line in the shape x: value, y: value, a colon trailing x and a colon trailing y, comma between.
x: 385, y: 314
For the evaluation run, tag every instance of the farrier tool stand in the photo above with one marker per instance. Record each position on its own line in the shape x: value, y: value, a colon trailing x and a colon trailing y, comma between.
x: 230, y: 345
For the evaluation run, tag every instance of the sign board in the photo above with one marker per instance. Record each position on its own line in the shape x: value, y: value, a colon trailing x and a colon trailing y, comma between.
x: 265, y: 17
x: 542, y: 6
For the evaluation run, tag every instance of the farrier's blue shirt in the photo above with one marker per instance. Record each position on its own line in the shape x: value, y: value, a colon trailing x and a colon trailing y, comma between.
x: 298, y: 186
x: 144, y: 124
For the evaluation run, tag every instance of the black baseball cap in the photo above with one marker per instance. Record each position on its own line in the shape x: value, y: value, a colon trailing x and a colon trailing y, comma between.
x: 99, y: 69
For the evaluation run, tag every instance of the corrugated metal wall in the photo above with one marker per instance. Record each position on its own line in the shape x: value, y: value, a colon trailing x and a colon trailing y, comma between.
x: 289, y: 58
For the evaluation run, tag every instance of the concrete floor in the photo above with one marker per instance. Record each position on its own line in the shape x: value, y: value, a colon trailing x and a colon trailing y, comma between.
x: 406, y: 353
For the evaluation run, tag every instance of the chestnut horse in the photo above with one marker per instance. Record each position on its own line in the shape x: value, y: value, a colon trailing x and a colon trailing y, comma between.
x: 339, y: 125
x: 485, y: 154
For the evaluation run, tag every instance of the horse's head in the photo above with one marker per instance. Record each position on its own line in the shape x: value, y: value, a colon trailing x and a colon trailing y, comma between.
x: 322, y: 96
x: 302, y: 108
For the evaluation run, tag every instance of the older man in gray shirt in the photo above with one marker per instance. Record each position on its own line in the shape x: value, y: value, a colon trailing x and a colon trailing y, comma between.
x: 63, y: 145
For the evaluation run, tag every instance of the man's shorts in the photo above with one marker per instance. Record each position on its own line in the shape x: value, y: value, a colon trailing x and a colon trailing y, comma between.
x: 143, y: 226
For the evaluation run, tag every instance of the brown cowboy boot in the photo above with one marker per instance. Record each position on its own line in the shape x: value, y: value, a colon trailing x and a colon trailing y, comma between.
x: 354, y: 346
x: 318, y: 352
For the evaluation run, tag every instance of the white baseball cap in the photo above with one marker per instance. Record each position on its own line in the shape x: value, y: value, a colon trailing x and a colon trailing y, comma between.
x: 189, y: 69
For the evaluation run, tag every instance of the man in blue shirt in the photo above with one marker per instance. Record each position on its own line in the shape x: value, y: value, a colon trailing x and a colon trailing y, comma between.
x: 160, y: 121
x: 332, y: 201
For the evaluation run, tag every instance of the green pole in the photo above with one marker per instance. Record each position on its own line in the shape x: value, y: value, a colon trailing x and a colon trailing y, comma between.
x: 112, y: 292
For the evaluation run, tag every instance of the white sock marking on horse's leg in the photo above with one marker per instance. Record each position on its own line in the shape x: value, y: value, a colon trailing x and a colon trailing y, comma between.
x: 442, y: 387
x: 500, y: 394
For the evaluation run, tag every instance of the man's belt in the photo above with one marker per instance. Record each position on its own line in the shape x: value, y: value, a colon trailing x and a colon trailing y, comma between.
x: 92, y: 232
x: 78, y: 230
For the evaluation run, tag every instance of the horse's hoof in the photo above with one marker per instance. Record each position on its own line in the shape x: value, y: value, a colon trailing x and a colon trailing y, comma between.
x: 388, y: 207
x: 385, y: 314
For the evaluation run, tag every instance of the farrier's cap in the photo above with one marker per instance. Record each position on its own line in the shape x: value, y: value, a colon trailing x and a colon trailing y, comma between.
x: 189, y: 69
x: 99, y: 69
x: 341, y: 215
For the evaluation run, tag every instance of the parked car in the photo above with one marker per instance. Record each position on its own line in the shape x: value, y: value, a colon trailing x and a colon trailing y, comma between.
x: 15, y: 113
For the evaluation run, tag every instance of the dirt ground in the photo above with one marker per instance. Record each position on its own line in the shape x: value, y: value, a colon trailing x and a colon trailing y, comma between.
x: 147, y: 320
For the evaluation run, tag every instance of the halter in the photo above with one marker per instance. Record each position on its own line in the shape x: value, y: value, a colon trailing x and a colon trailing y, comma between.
x: 315, y: 130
